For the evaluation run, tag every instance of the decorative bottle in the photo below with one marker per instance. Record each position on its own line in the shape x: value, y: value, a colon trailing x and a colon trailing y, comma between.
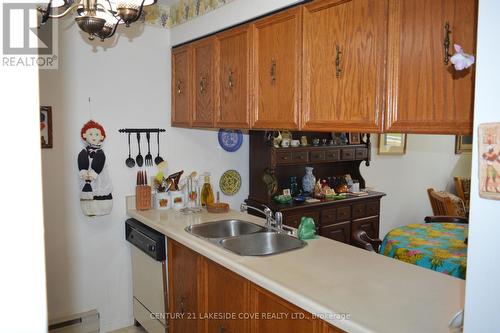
x: 294, y: 187
x: 207, y: 194
x: 308, y: 181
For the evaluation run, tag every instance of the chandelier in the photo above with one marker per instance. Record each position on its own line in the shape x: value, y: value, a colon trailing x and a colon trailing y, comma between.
x: 98, y: 18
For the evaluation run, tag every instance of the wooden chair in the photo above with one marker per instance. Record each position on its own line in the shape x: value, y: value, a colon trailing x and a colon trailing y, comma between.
x: 363, y: 241
x: 462, y: 186
x: 446, y: 219
x: 446, y: 204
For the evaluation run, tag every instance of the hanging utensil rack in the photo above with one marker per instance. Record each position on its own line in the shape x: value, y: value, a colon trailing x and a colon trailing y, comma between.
x: 142, y: 130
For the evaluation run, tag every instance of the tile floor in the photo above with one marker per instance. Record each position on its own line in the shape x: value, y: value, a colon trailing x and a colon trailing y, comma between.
x: 130, y: 329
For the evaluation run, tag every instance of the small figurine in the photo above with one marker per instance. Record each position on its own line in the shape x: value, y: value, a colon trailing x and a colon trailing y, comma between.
x: 303, y: 140
x: 317, y: 189
x: 277, y: 140
x: 271, y: 182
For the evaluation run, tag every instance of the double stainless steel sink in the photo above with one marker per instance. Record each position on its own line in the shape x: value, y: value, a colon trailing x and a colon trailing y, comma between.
x: 245, y: 238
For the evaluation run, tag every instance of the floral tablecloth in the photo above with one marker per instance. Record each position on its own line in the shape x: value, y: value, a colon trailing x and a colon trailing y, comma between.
x: 437, y: 246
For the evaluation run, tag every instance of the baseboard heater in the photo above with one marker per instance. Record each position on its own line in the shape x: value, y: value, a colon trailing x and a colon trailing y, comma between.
x: 85, y: 322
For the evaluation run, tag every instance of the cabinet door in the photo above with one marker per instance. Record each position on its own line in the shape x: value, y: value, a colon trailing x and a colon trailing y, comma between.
x: 369, y: 224
x: 185, y: 279
x: 181, y: 91
x: 277, y: 77
x: 344, y: 65
x: 227, y: 293
x: 233, y: 68
x: 203, y: 84
x: 281, y: 316
x: 425, y: 93
x: 340, y: 232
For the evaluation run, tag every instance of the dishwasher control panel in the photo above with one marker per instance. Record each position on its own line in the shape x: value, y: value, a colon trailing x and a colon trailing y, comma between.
x: 146, y: 239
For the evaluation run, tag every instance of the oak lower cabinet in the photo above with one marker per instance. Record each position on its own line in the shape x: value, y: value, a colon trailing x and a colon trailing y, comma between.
x: 277, y: 44
x: 227, y: 294
x: 181, y: 86
x: 425, y: 93
x: 185, y: 285
x: 208, y: 298
x: 233, y: 52
x: 280, y: 315
x: 344, y: 65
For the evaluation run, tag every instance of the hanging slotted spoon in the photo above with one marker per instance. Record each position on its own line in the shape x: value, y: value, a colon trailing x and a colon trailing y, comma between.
x: 129, y: 161
x: 158, y: 158
x: 139, y: 159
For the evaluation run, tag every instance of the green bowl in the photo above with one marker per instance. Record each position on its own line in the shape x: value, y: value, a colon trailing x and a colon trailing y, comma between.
x: 283, y: 199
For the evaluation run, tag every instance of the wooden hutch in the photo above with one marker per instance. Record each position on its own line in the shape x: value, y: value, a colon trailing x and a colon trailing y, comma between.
x: 335, y: 219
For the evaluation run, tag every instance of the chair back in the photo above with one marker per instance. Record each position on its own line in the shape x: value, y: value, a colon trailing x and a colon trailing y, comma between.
x: 462, y: 186
x: 446, y: 204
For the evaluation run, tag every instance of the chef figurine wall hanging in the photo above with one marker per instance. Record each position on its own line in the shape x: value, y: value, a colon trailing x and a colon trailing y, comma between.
x: 489, y: 161
x: 95, y: 185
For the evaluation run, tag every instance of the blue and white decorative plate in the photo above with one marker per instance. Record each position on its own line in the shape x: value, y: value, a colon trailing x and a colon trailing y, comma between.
x: 230, y: 140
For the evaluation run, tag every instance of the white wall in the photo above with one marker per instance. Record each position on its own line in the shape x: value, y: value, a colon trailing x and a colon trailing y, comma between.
x: 228, y: 15
x: 23, y: 304
x: 88, y: 261
x: 430, y: 161
x: 483, y: 271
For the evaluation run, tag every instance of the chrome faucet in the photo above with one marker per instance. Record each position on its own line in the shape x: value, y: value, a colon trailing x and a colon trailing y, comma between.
x: 275, y: 222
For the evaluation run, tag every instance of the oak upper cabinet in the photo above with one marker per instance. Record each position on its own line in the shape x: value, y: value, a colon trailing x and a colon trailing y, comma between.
x: 233, y: 51
x: 203, y: 83
x: 181, y: 90
x: 425, y: 93
x: 277, y: 65
x: 283, y: 317
x: 344, y: 65
x: 226, y: 293
x: 185, y: 280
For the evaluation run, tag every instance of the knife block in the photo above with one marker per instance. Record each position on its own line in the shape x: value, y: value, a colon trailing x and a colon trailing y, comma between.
x: 143, y: 197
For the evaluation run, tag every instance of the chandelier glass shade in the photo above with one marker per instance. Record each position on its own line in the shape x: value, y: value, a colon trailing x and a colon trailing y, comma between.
x: 97, y: 18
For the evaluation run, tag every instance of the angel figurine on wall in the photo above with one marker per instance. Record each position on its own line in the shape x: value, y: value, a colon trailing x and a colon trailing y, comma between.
x: 95, y: 185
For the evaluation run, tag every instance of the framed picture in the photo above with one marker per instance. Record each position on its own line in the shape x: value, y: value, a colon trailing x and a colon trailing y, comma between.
x: 463, y: 144
x: 489, y: 161
x: 354, y: 138
x: 392, y: 144
x: 46, y: 126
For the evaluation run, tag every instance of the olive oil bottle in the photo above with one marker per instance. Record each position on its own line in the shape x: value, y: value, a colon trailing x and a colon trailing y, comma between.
x: 207, y: 194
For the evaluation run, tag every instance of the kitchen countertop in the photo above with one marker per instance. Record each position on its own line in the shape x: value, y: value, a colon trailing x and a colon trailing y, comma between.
x: 378, y: 293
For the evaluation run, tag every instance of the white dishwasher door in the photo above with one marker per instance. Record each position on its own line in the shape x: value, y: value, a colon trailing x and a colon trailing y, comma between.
x: 149, y: 283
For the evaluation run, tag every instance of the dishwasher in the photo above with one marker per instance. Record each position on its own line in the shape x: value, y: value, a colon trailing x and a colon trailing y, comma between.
x: 149, y: 276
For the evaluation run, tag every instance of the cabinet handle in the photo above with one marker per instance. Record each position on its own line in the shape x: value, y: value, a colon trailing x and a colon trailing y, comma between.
x: 338, y: 70
x: 230, y: 79
x: 202, y: 85
x: 222, y: 329
x: 179, y: 87
x: 273, y: 71
x: 446, y: 43
x: 182, y: 303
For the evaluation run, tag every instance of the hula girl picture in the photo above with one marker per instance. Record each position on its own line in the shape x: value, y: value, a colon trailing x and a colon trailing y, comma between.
x: 489, y: 161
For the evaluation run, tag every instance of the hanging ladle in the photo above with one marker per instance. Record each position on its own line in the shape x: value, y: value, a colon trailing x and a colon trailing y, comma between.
x: 158, y: 158
x: 130, y: 162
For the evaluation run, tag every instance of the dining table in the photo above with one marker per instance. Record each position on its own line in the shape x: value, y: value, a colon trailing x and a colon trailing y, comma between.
x: 441, y: 247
